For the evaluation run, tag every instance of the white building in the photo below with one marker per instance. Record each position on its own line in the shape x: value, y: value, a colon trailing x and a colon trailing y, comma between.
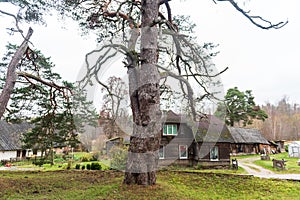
x: 10, y: 141
x: 294, y: 149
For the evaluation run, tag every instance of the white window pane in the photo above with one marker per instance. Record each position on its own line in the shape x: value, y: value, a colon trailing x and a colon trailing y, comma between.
x: 183, y: 151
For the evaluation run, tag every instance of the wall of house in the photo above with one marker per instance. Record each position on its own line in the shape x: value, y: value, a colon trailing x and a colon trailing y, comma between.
x: 204, y: 151
x: 7, y: 155
x: 243, y: 148
x: 30, y: 153
x: 171, y: 146
x: 264, y: 148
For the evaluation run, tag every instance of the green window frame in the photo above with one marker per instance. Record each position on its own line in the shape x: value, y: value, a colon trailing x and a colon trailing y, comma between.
x: 170, y: 129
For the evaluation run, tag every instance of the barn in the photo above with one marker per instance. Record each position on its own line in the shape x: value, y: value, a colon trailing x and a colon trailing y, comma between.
x: 248, y: 141
x: 294, y: 149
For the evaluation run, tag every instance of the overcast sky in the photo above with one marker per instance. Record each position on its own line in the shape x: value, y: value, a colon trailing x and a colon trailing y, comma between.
x: 264, y: 61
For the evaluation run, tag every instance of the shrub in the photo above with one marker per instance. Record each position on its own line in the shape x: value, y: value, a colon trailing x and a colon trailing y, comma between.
x: 83, y: 167
x: 95, y: 166
x: 41, y: 161
x: 95, y: 156
x: 59, y: 160
x: 118, y: 157
x: 88, y: 166
x: 198, y: 167
x: 286, y: 148
x: 84, y: 159
x: 77, y: 166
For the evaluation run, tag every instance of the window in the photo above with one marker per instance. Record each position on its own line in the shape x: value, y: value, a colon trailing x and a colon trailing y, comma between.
x: 214, y: 153
x: 161, y: 152
x: 183, y: 152
x: 170, y: 129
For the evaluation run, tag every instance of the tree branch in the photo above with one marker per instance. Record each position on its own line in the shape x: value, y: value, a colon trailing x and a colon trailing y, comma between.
x: 11, y: 76
x: 251, y: 18
x: 16, y: 23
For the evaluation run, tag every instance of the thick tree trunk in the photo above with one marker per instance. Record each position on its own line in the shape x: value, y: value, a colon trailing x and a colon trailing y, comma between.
x: 142, y: 160
x: 11, y: 75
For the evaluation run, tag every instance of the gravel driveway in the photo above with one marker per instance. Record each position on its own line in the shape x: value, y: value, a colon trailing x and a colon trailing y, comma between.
x: 258, y: 171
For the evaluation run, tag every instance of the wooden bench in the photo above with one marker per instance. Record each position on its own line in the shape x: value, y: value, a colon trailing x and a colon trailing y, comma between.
x: 280, y: 164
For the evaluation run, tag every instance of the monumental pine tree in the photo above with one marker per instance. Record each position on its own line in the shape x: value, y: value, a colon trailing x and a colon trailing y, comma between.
x: 143, y: 18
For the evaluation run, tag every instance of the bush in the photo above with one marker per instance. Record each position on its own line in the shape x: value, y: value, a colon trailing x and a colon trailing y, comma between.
x: 41, y: 161
x: 84, y: 159
x: 59, y: 160
x: 286, y: 148
x: 83, y: 167
x: 77, y: 166
x: 88, y: 166
x: 95, y: 166
x: 118, y: 157
x: 95, y: 156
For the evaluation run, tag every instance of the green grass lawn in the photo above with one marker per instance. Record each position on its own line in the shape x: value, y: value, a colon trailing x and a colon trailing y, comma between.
x: 291, y: 164
x: 74, y: 184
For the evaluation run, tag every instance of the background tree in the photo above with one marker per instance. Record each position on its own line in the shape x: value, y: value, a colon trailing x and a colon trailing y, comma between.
x: 115, y: 105
x: 239, y: 107
x: 283, y: 121
x: 39, y: 97
x: 29, y: 11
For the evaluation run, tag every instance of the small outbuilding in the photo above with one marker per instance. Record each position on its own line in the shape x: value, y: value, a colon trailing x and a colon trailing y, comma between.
x: 294, y: 149
x: 248, y: 141
x: 10, y: 141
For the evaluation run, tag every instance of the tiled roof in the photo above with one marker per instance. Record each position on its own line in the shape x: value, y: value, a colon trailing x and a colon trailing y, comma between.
x: 10, y: 135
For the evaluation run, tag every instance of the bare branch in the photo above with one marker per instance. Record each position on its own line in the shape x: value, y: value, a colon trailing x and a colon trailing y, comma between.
x: 11, y: 76
x: 16, y: 23
x: 187, y: 84
x: 252, y: 18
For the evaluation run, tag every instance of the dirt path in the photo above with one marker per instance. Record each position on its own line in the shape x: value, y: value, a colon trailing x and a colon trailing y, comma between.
x: 258, y: 171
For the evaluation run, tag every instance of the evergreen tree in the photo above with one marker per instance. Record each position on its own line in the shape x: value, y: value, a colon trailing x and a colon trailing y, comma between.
x: 239, y: 107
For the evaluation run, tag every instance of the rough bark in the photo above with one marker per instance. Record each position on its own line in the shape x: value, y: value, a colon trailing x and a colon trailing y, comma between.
x: 145, y: 101
x: 11, y: 75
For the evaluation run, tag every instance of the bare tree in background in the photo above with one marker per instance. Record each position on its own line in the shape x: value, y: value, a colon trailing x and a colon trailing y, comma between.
x: 114, y: 105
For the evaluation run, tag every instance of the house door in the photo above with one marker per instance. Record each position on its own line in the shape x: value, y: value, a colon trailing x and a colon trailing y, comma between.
x: 18, y: 153
x: 24, y: 153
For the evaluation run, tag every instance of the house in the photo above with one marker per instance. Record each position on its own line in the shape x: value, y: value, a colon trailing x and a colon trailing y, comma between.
x: 212, y: 143
x: 177, y: 139
x: 10, y: 141
x: 184, y: 142
x: 248, y: 141
x: 294, y: 149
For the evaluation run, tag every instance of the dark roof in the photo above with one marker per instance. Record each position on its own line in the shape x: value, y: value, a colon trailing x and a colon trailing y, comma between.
x: 10, y: 135
x: 212, y: 129
x: 171, y: 117
x: 247, y: 136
